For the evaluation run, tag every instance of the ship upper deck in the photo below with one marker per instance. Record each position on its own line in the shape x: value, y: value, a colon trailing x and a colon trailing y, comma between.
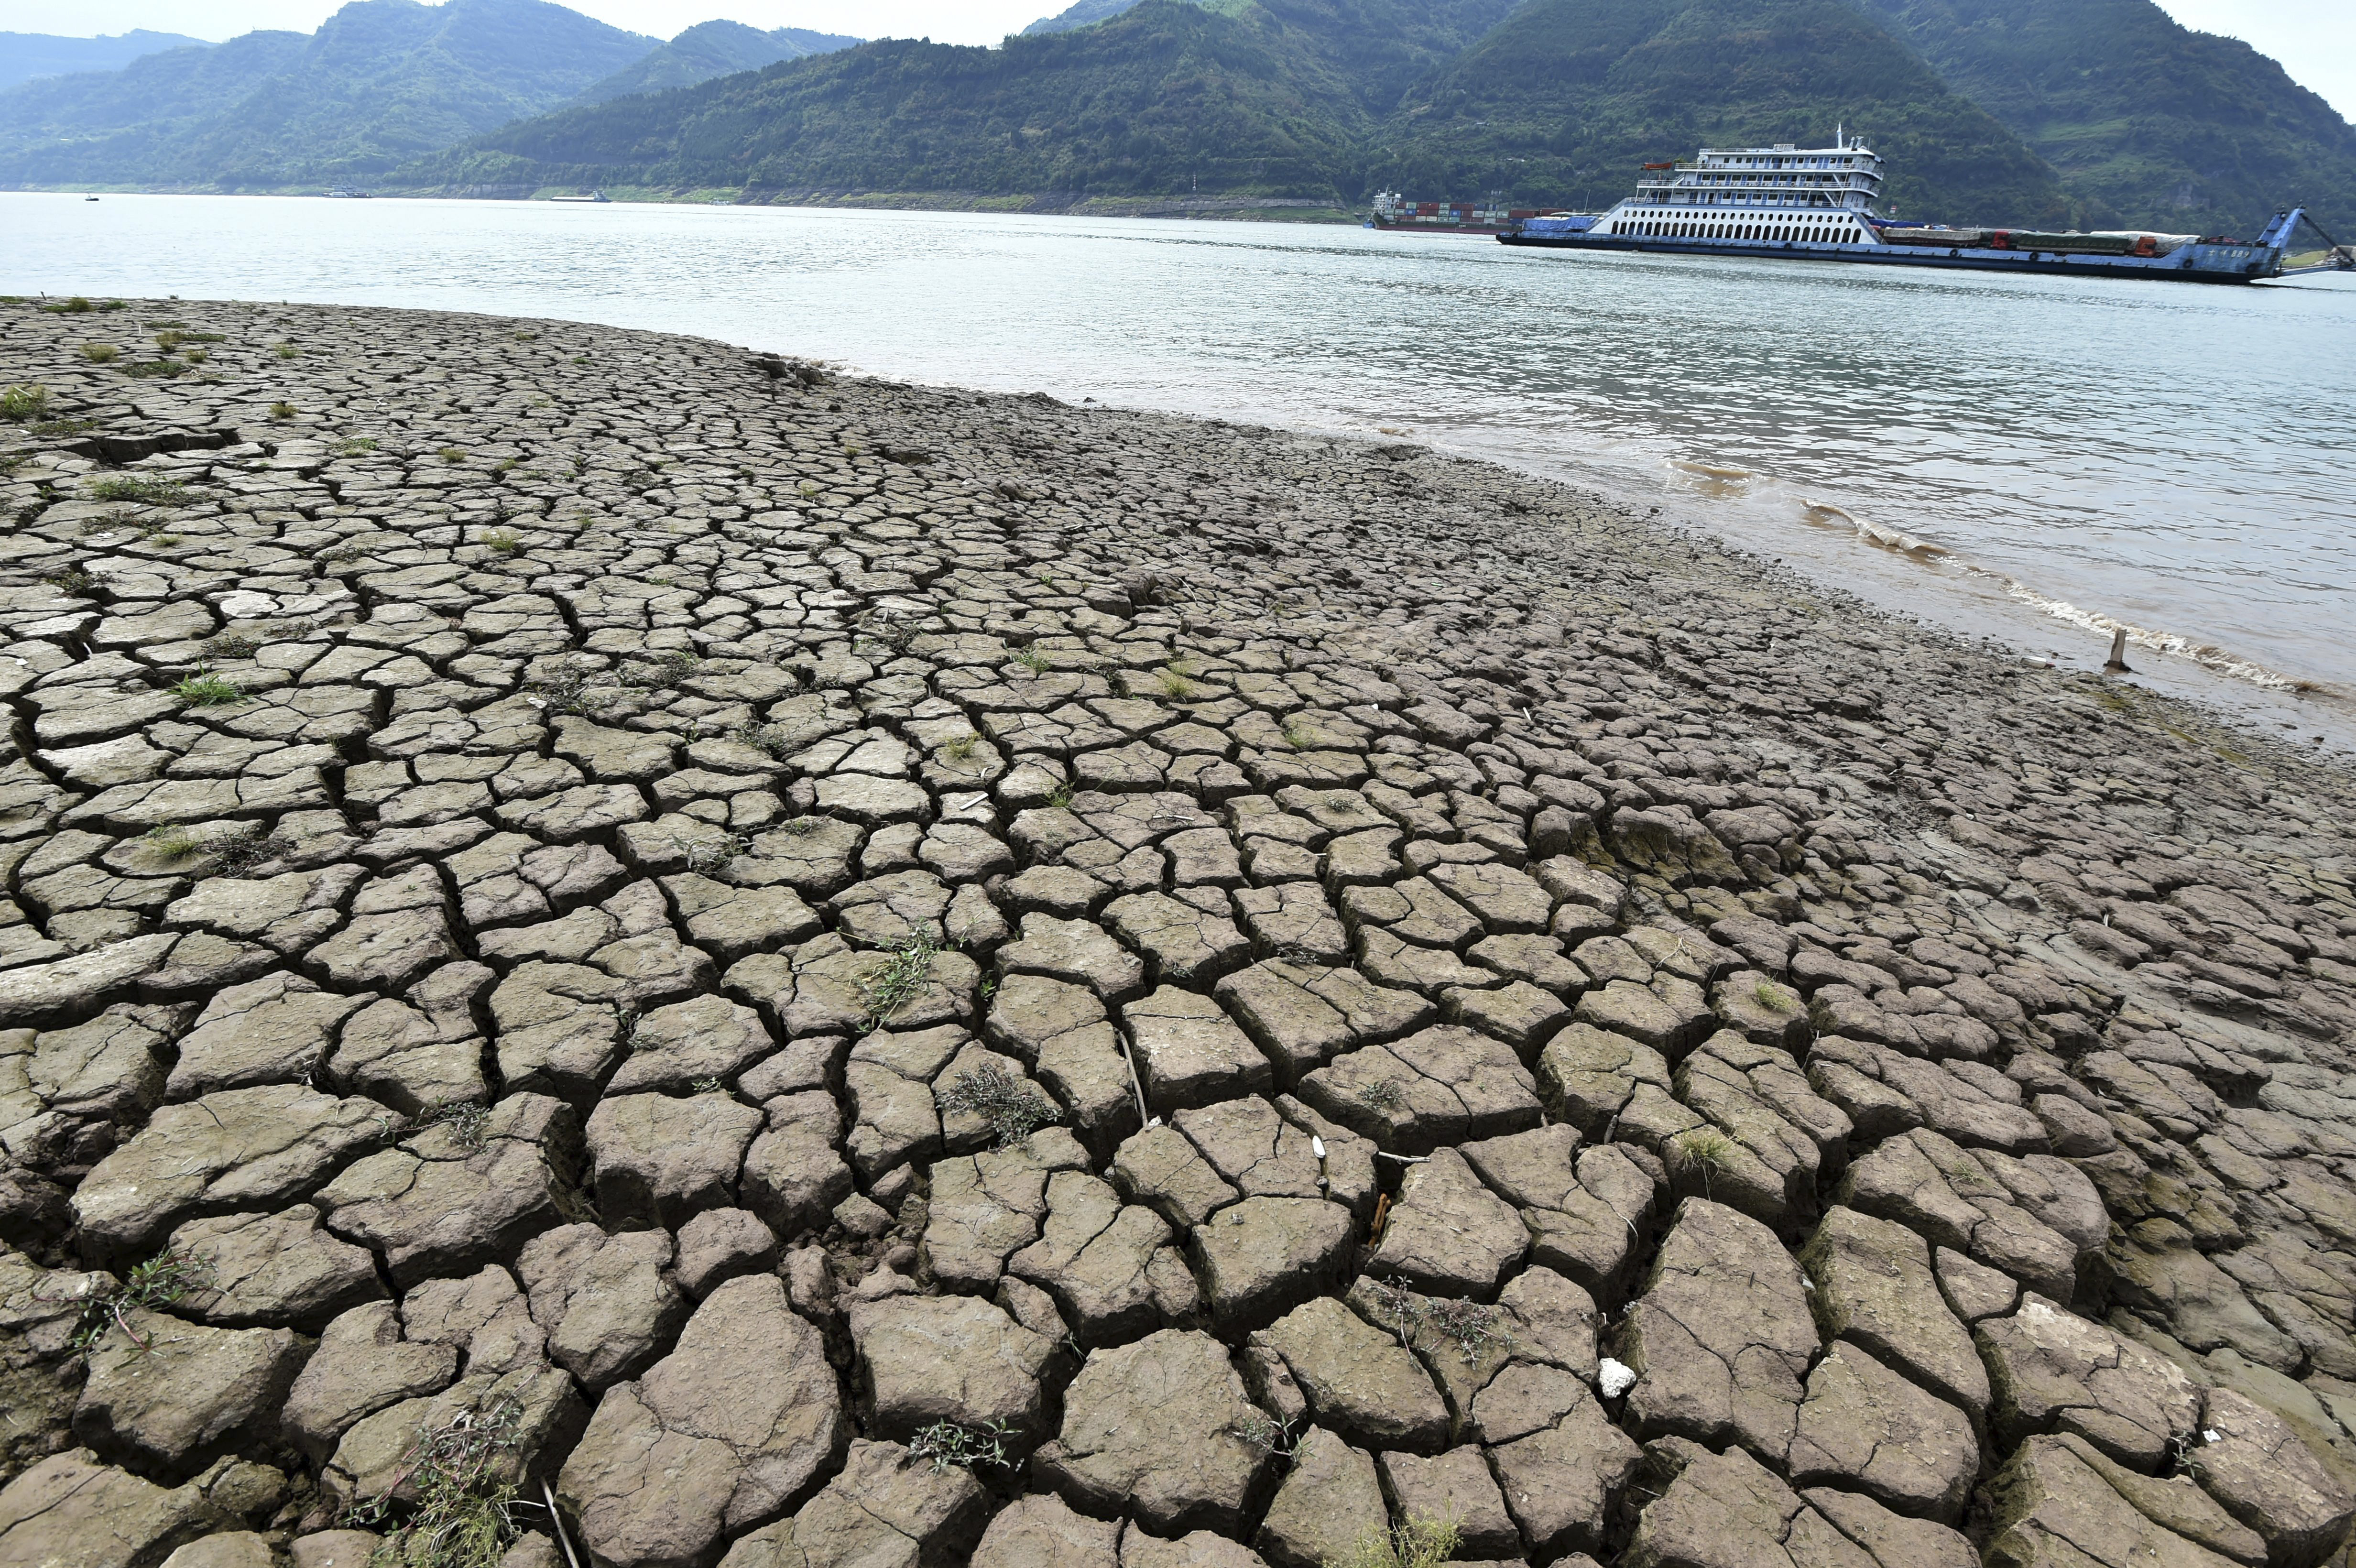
x: 1846, y: 175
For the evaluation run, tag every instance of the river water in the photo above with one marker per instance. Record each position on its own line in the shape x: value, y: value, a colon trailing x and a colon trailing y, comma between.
x: 2034, y: 458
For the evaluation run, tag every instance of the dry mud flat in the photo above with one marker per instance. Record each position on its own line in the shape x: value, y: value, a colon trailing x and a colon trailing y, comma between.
x: 846, y: 974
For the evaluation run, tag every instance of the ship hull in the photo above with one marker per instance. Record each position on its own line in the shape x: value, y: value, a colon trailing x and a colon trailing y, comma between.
x: 1392, y: 227
x: 2228, y: 268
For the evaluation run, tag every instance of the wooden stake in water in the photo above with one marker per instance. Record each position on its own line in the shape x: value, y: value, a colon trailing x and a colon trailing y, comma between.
x: 2118, y: 661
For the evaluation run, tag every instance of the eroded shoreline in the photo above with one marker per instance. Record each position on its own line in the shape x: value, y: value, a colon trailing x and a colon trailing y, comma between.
x: 553, y: 867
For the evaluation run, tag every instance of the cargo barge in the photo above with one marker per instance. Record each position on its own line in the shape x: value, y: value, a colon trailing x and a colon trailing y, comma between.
x: 1395, y: 212
x: 1817, y: 204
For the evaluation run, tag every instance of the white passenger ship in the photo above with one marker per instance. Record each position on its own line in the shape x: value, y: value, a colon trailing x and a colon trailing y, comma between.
x: 1814, y: 195
x: 1817, y: 204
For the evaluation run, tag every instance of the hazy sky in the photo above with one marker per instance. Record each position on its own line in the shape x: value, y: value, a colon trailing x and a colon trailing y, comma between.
x: 2315, y: 40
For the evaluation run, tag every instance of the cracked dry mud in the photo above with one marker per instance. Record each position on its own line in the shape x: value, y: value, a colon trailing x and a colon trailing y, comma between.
x: 714, y: 919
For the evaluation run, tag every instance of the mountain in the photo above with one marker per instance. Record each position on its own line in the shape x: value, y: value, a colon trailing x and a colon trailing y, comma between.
x: 380, y: 83
x: 1560, y: 104
x: 1255, y: 98
x: 24, y: 55
x: 709, y: 49
x: 2150, y: 122
x: 1087, y: 13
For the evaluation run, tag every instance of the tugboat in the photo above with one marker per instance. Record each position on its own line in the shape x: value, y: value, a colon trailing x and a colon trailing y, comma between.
x: 1817, y: 204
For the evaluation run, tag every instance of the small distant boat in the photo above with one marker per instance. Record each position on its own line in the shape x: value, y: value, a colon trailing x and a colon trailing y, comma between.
x: 345, y: 193
x: 90, y: 198
x: 593, y: 195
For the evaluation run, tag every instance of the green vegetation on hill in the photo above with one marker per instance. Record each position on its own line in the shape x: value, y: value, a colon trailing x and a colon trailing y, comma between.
x: 710, y: 49
x: 2150, y: 123
x: 24, y: 55
x: 1559, y: 104
x: 2046, y: 112
x: 1085, y: 13
x: 383, y: 82
x: 1167, y: 97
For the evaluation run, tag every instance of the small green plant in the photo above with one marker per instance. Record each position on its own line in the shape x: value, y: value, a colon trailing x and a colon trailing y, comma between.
x: 1060, y: 797
x: 1383, y: 1095
x: 801, y: 826
x: 961, y: 750
x: 77, y: 305
x: 581, y: 359
x: 462, y: 1475
x: 64, y: 427
x: 355, y: 446
x: 1419, y: 1541
x: 24, y: 403
x: 945, y: 1444
x: 704, y: 1086
x: 169, y: 339
x: 708, y: 856
x: 452, y: 454
x: 288, y: 351
x: 197, y: 355
x: 144, y: 492
x: 566, y: 689
x: 281, y: 410
x: 205, y: 689
x: 173, y: 842
x: 1011, y: 1107
x: 1774, y: 998
x: 1258, y: 1429
x: 1033, y: 659
x: 464, y: 1121
x: 906, y: 970
x: 150, y: 369
x: 232, y: 645
x: 668, y: 670
x: 1704, y: 1149
x: 1175, y: 685
x: 245, y: 846
x: 526, y: 337
x: 100, y: 353
x: 162, y: 1280
x: 70, y: 580
x: 504, y: 541
x: 1297, y: 735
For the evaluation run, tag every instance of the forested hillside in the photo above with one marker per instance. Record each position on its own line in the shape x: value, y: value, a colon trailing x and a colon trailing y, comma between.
x: 1559, y: 106
x: 380, y: 83
x: 712, y: 49
x: 1266, y: 100
x: 2148, y: 122
x: 2055, y: 113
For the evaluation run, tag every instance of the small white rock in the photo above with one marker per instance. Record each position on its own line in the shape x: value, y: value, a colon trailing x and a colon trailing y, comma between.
x: 1614, y: 1378
x: 1317, y: 1146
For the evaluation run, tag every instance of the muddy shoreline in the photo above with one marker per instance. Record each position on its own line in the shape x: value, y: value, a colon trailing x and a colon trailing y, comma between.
x: 831, y: 967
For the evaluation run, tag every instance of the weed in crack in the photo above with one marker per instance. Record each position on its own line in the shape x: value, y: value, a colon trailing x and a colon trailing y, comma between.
x: 145, y: 492
x: 944, y: 1444
x: 464, y: 1121
x: 206, y: 689
x: 161, y: 1281
x: 906, y: 970
x: 708, y: 856
x: 1419, y: 1541
x: 465, y: 1494
x: 1011, y: 1107
x: 1382, y: 1094
x: 1258, y: 1429
x: 1704, y: 1149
